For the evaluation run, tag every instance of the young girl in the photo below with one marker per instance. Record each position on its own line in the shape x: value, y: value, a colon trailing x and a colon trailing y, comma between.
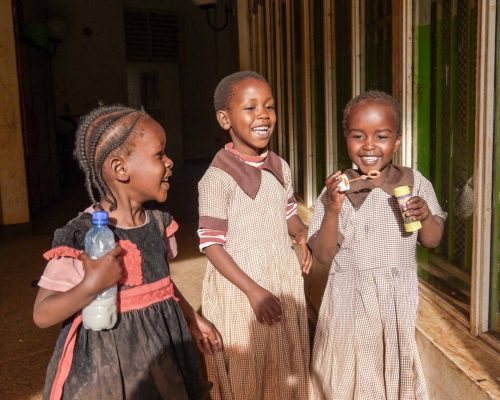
x: 149, y: 354
x: 365, y: 338
x: 253, y: 289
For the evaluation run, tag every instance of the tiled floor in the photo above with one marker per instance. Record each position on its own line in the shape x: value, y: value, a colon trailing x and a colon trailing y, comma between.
x: 25, y: 349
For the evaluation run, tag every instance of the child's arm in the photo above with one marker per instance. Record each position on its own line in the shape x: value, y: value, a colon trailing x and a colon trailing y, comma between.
x: 298, y: 231
x: 324, y: 241
x: 266, y: 306
x: 205, y: 334
x: 432, y: 227
x: 52, y: 307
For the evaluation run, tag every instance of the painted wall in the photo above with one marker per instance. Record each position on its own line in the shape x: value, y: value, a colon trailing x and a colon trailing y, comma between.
x: 92, y: 67
x: 13, y: 190
x: 89, y: 64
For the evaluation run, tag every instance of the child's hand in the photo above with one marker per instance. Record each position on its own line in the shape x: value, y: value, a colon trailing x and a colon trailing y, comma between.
x: 104, y: 272
x: 335, y: 197
x: 266, y: 306
x: 417, y: 209
x: 205, y: 334
x: 306, y: 256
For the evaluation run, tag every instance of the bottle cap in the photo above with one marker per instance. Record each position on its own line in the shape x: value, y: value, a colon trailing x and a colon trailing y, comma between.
x: 99, y: 217
x: 401, y: 191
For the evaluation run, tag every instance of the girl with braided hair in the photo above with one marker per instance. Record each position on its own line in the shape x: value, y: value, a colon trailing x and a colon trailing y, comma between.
x: 150, y: 353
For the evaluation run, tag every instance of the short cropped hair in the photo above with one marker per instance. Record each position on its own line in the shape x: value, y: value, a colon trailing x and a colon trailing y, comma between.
x: 224, y: 90
x: 373, y: 96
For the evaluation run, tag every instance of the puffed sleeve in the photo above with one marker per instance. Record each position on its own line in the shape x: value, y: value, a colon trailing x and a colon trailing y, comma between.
x: 64, y: 270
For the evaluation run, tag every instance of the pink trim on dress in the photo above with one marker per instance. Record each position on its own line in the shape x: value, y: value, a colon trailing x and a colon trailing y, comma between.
x: 254, y: 159
x: 128, y: 300
x: 62, y: 251
x: 132, y: 262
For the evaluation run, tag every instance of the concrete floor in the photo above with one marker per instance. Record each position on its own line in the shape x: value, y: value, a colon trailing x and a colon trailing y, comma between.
x: 25, y: 350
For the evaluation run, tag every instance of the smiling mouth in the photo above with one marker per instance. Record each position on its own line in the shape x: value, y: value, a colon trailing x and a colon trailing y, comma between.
x: 370, y: 159
x: 262, y: 130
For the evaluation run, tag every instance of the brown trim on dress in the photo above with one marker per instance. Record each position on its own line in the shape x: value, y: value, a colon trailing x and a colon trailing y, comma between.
x: 212, y: 223
x: 247, y: 176
x: 397, y: 175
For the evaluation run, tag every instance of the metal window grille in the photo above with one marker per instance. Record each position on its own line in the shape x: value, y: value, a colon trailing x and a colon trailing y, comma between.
x: 152, y: 36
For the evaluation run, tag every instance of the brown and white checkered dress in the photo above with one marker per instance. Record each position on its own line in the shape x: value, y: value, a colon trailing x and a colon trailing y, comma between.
x: 365, y: 338
x: 259, y: 361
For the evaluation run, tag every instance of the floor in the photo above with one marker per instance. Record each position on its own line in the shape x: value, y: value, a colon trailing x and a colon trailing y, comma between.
x: 25, y: 349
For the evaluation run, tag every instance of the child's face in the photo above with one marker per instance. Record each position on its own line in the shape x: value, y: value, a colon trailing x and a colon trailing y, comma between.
x: 251, y: 116
x: 372, y: 136
x: 147, y: 165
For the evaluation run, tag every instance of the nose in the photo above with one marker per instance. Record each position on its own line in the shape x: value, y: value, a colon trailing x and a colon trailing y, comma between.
x: 263, y: 113
x: 168, y: 162
x: 367, y: 143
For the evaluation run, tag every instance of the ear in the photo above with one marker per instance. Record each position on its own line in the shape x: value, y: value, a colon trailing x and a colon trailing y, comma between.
x: 117, y: 167
x: 397, y: 143
x: 223, y: 119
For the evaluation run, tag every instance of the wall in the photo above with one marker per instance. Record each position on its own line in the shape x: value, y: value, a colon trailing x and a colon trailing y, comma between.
x: 13, y: 191
x: 89, y: 64
x: 207, y: 56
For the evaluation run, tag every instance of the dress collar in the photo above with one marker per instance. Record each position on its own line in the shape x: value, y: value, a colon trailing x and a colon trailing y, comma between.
x: 396, y: 176
x: 246, y: 176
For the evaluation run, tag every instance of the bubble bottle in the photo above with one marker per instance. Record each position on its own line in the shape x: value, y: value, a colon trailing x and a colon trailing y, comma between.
x: 403, y: 194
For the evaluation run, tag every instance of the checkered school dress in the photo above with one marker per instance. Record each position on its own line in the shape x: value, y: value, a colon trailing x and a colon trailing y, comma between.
x: 259, y: 362
x: 365, y: 338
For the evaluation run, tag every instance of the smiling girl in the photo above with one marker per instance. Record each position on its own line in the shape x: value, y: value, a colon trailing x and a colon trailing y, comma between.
x: 365, y: 346
x: 150, y: 352
x: 253, y: 289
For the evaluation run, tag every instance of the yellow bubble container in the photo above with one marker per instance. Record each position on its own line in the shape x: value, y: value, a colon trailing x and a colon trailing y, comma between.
x: 403, y: 194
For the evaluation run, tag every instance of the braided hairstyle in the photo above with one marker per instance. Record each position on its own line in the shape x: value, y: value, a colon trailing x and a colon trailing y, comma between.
x: 104, y: 130
x: 377, y: 97
x: 224, y: 90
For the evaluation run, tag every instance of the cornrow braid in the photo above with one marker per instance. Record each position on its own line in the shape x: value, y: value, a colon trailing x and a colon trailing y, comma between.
x: 373, y: 96
x: 80, y: 152
x: 224, y: 90
x: 99, y: 133
x: 95, y: 177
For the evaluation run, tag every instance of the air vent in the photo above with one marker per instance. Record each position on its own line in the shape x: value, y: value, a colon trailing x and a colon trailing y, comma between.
x: 151, y: 36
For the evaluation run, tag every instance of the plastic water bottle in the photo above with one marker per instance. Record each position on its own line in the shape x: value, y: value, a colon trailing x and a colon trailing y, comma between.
x: 101, y: 313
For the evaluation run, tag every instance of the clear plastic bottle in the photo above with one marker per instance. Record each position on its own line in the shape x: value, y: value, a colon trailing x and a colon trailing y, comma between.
x: 403, y: 194
x: 101, y: 313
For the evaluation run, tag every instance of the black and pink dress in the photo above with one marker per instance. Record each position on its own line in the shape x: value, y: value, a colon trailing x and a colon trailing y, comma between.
x: 150, y: 353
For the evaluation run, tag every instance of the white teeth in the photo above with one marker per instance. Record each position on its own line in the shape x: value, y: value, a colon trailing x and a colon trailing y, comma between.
x: 260, y: 130
x: 370, y: 159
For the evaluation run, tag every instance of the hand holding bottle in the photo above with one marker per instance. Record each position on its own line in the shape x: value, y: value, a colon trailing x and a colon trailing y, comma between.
x: 104, y: 272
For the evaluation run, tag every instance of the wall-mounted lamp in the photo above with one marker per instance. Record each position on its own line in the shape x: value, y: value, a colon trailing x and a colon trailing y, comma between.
x: 209, y: 6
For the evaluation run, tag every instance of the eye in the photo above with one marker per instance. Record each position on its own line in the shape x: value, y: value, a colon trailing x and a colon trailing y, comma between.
x: 270, y: 107
x: 249, y: 108
x: 356, y: 136
x: 160, y: 155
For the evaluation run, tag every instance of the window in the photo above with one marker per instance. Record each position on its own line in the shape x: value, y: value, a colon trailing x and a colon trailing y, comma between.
x: 295, y: 44
x: 455, y: 103
x: 444, y: 133
x: 494, y: 300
